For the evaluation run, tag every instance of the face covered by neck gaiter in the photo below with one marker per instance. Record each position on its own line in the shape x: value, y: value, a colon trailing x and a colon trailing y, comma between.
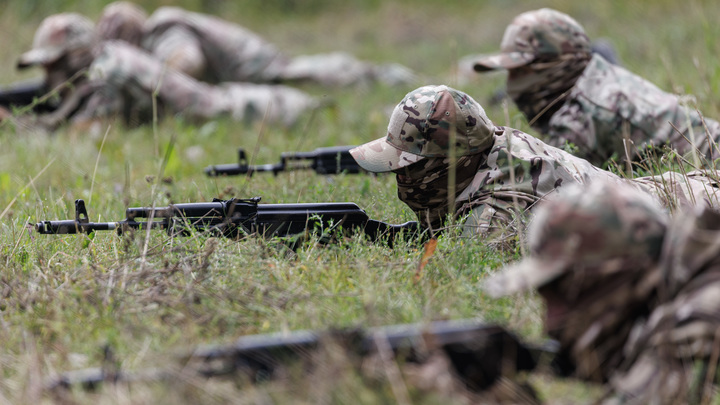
x: 540, y: 87
x: 425, y: 186
x: 592, y: 310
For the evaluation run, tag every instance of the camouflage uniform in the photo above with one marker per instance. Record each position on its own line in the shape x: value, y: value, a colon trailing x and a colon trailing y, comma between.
x: 498, y: 172
x: 215, y: 50
x: 118, y: 78
x: 573, y: 96
x: 122, y: 20
x: 126, y: 73
x: 675, y: 353
x: 631, y: 295
x: 63, y: 45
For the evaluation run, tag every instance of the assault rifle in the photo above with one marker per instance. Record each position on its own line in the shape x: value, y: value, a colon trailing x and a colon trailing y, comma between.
x: 26, y: 93
x: 236, y: 218
x: 478, y: 353
x: 330, y: 160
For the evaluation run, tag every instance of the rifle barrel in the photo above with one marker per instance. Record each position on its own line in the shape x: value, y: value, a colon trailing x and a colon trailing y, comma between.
x: 70, y: 226
x: 234, y: 169
x: 235, y: 218
x: 327, y: 160
x: 479, y: 353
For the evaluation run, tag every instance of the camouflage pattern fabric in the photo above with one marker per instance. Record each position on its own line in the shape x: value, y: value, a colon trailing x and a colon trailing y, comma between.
x: 499, y: 206
x: 229, y: 52
x: 540, y: 33
x: 215, y: 50
x: 104, y: 79
x: 631, y: 295
x: 122, y: 20
x: 124, y: 72
x: 499, y: 173
x: 677, y: 350
x: 592, y: 256
x: 683, y: 190
x: 63, y: 45
x: 340, y: 69
x: 430, y: 121
x: 436, y: 131
x: 545, y: 51
x: 675, y: 354
x: 425, y: 187
x: 609, y: 104
x: 539, y: 88
x: 58, y: 35
x: 516, y: 172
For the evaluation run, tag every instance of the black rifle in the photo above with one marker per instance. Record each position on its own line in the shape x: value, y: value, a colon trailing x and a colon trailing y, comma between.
x: 331, y: 160
x: 479, y: 353
x: 236, y: 218
x: 24, y: 94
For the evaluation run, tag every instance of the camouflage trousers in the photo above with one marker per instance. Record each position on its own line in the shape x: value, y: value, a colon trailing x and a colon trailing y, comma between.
x: 342, y: 69
x: 127, y: 72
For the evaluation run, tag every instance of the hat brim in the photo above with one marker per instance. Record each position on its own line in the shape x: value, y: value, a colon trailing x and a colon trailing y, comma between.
x: 37, y: 57
x: 379, y: 156
x: 522, y: 276
x: 509, y: 60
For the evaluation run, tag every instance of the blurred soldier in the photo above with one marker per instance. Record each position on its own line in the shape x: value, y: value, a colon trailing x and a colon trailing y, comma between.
x: 575, y: 96
x: 632, y: 297
x: 674, y: 356
x: 214, y: 50
x: 450, y: 159
x: 467, y: 73
x: 97, y: 79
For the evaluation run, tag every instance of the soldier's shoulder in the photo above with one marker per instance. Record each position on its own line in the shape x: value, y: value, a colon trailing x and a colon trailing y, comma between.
x: 605, y: 85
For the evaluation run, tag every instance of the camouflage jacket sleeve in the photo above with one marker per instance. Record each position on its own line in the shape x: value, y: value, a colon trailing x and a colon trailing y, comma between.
x: 231, y: 53
x: 609, y: 104
x: 519, y: 170
x: 685, y: 329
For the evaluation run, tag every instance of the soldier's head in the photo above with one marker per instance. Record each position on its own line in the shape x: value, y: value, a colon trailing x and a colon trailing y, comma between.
x: 63, y: 46
x: 544, y: 34
x: 433, y: 130
x: 122, y: 20
x: 582, y: 241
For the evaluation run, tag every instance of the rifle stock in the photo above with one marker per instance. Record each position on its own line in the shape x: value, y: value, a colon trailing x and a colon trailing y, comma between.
x: 25, y: 94
x: 330, y: 160
x: 236, y: 218
x: 478, y: 353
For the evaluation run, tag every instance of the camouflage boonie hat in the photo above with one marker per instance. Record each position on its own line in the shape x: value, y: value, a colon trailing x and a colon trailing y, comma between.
x: 420, y: 127
x: 57, y: 35
x: 583, y: 227
x: 536, y: 33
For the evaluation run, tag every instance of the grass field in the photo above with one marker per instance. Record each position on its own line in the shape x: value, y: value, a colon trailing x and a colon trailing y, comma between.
x: 63, y: 298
